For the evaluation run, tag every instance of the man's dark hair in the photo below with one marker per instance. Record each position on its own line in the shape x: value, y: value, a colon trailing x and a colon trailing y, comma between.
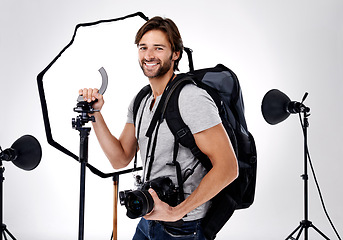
x: 169, y: 27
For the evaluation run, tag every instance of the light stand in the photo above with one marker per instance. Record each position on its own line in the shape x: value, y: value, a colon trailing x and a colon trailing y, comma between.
x: 4, y: 229
x: 115, y: 206
x: 305, y: 224
x: 84, y: 109
x: 26, y: 154
x: 276, y: 107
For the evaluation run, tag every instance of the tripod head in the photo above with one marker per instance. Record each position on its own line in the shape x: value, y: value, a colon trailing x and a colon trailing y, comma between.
x: 85, y: 108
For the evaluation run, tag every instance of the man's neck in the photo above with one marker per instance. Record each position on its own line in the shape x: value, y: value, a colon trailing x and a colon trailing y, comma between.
x: 158, y: 84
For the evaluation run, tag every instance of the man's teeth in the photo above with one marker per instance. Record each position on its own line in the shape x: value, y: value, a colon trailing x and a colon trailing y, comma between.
x: 151, y: 64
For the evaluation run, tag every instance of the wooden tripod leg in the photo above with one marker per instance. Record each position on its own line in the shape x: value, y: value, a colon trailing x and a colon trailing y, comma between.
x: 115, y: 205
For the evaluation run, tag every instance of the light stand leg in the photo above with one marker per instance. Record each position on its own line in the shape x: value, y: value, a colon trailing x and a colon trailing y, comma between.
x: 84, y: 133
x: 115, y: 206
x: 4, y: 229
x: 305, y: 224
x: 2, y: 169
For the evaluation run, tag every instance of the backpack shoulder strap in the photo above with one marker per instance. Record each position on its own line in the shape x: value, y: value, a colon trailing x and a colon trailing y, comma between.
x: 177, y: 126
x: 136, y: 104
x: 139, y: 97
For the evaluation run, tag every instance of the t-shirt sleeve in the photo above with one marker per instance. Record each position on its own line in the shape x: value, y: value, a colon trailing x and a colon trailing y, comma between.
x: 130, y: 112
x: 198, y: 109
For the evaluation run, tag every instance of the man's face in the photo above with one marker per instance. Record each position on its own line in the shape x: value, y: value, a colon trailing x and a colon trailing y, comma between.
x: 155, y: 55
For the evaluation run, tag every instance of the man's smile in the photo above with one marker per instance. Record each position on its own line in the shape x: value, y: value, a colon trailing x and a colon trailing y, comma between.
x: 151, y: 64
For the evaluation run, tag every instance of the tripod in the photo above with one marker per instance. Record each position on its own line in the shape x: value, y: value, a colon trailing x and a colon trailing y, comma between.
x: 305, y: 224
x: 4, y: 229
x: 83, y: 108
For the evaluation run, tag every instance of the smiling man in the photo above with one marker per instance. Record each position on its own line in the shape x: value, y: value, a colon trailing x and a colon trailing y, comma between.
x: 155, y: 56
x: 159, y: 51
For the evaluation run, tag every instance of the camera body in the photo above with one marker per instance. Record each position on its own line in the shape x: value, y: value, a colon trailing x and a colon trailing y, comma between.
x: 139, y: 202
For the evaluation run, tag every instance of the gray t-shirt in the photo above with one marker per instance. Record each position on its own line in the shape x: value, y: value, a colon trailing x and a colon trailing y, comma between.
x: 199, y: 112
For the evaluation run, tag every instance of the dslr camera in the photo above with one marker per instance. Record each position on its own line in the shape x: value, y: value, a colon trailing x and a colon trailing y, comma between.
x: 139, y: 202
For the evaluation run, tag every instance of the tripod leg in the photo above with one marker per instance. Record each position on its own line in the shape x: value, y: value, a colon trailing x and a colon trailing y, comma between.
x: 300, y: 231
x: 115, y: 205
x: 320, y: 232
x: 5, y: 230
x: 290, y: 235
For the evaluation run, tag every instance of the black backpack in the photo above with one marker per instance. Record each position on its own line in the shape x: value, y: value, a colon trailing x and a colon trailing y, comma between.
x: 222, y: 85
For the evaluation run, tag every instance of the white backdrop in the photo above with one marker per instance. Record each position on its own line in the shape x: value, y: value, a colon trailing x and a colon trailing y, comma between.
x: 294, y: 46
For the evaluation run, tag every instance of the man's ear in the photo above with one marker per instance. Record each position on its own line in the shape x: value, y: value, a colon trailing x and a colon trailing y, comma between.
x: 176, y: 55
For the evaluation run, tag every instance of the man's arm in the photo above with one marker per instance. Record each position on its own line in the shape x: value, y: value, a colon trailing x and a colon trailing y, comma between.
x: 215, y: 143
x: 119, y: 151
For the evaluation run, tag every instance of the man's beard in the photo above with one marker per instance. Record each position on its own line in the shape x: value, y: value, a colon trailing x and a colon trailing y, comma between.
x: 162, y: 69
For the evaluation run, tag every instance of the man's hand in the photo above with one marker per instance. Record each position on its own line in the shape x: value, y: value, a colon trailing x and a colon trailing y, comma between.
x: 92, y: 94
x: 161, y: 211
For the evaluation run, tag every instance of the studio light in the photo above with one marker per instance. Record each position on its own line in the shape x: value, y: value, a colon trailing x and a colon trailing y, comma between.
x: 25, y: 153
x: 276, y: 106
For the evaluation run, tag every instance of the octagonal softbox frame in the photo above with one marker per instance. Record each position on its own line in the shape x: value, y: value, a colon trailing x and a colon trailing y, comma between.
x: 44, y: 104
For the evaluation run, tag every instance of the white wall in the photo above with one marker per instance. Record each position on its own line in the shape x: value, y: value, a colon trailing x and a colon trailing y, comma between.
x: 294, y: 46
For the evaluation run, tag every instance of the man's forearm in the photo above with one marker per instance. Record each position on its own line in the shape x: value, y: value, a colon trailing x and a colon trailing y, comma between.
x: 213, y: 182
x: 118, y: 156
x: 211, y: 185
x: 215, y: 143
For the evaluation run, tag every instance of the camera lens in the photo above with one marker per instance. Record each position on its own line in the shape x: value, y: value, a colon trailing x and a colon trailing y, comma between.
x: 135, y: 205
x: 138, y: 203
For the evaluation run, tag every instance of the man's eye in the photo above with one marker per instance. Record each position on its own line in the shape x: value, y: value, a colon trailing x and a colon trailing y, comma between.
x: 142, y: 48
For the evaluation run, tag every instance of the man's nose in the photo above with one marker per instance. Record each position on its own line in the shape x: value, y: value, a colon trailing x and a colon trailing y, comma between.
x: 149, y: 55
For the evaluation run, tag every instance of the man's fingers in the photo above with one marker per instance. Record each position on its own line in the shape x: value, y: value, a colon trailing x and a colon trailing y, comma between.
x: 89, y: 94
x: 153, y: 194
x: 84, y: 93
x: 95, y: 94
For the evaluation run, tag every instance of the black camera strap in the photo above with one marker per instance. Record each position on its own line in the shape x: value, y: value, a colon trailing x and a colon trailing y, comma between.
x: 155, y: 123
x: 158, y: 118
x: 153, y: 129
x: 175, y: 163
x: 138, y: 132
x: 151, y: 158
